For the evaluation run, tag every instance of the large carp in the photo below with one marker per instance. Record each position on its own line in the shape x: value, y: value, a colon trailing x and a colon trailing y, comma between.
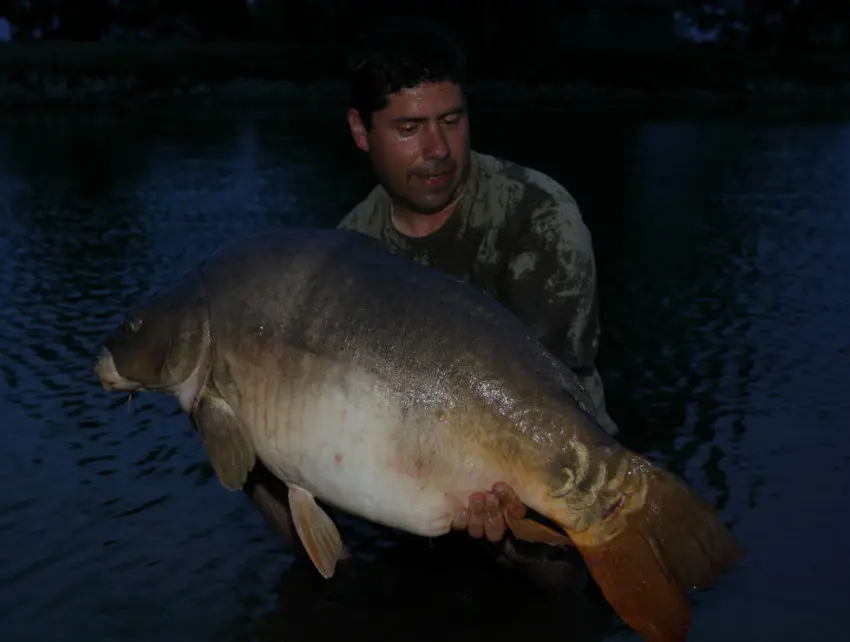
x: 393, y: 391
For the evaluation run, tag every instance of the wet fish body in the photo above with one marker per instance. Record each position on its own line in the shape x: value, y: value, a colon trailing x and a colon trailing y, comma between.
x: 392, y: 391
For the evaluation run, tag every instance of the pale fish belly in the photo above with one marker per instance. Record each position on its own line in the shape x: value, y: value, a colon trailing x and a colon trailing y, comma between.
x: 340, y: 440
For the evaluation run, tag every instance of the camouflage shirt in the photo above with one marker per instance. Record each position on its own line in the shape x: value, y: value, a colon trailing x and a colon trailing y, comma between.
x: 518, y: 235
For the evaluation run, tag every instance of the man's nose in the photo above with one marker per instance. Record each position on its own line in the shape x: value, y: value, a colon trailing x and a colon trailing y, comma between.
x: 436, y: 146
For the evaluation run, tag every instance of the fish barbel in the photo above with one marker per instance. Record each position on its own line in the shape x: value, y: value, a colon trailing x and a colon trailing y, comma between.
x: 392, y: 391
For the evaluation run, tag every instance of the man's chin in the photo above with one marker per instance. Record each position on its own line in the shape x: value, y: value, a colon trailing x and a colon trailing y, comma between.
x: 434, y: 203
x: 425, y: 206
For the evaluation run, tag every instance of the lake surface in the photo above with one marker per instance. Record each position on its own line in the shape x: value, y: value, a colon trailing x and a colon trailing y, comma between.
x: 725, y: 283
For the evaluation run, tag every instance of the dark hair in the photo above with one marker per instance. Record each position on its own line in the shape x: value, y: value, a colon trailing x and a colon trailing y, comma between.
x: 401, y: 53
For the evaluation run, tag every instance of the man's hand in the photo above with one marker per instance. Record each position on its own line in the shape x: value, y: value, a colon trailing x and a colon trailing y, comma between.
x: 484, y: 515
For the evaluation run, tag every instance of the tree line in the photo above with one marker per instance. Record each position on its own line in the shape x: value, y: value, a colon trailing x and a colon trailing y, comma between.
x: 788, y: 25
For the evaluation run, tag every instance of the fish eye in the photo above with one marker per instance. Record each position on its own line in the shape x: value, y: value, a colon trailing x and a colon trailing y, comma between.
x: 134, y: 324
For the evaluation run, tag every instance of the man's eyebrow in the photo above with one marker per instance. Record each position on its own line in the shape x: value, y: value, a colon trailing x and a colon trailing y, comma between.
x: 457, y: 111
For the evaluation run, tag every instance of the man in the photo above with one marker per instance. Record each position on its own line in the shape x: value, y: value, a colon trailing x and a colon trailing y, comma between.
x: 509, y: 230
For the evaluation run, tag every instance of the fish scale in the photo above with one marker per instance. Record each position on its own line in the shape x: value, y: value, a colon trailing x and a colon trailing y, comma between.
x: 392, y: 391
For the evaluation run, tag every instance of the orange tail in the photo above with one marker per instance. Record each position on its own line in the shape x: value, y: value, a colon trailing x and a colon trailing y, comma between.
x: 672, y: 543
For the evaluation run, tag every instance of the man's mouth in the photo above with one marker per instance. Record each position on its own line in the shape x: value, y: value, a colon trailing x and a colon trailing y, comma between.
x: 435, y: 180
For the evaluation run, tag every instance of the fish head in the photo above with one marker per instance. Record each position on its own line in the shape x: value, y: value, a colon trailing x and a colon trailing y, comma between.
x: 160, y: 345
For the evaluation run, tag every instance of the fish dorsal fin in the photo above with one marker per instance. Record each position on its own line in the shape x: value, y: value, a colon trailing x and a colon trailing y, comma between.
x: 231, y: 454
x: 318, y: 534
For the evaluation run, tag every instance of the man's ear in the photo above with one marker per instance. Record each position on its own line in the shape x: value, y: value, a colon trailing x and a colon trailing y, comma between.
x: 358, y: 130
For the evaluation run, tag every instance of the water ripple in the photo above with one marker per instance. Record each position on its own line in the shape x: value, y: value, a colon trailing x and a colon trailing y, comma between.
x: 725, y: 299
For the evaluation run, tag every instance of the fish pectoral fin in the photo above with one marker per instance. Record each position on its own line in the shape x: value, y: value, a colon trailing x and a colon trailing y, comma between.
x: 318, y: 534
x: 231, y: 454
x: 529, y: 530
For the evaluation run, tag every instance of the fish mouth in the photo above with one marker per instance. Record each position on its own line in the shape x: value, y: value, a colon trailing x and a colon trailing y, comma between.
x: 108, y: 375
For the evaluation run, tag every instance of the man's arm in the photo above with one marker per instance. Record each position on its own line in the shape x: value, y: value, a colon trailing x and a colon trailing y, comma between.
x: 550, y: 284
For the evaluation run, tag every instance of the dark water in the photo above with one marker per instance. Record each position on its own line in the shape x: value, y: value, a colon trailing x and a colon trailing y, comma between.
x: 726, y: 308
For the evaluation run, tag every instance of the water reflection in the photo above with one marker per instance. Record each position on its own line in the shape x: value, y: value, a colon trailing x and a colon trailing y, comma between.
x: 724, y: 301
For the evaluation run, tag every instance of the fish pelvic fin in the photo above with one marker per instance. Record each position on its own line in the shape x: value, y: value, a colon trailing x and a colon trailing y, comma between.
x: 317, y: 532
x: 274, y: 510
x: 529, y: 530
x: 666, y: 541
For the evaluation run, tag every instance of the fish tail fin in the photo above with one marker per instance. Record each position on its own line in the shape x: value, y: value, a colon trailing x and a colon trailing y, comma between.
x: 672, y: 543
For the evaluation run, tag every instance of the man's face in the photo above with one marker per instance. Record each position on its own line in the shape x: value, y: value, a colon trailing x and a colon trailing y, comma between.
x: 419, y: 145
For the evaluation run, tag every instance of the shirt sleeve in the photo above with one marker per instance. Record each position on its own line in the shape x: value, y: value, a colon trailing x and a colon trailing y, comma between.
x: 365, y: 216
x: 350, y: 220
x: 550, y: 284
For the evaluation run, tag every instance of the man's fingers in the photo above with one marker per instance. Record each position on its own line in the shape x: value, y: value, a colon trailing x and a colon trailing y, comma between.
x: 476, y: 516
x: 494, y: 523
x: 509, y: 500
x: 461, y: 520
x: 485, y: 516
